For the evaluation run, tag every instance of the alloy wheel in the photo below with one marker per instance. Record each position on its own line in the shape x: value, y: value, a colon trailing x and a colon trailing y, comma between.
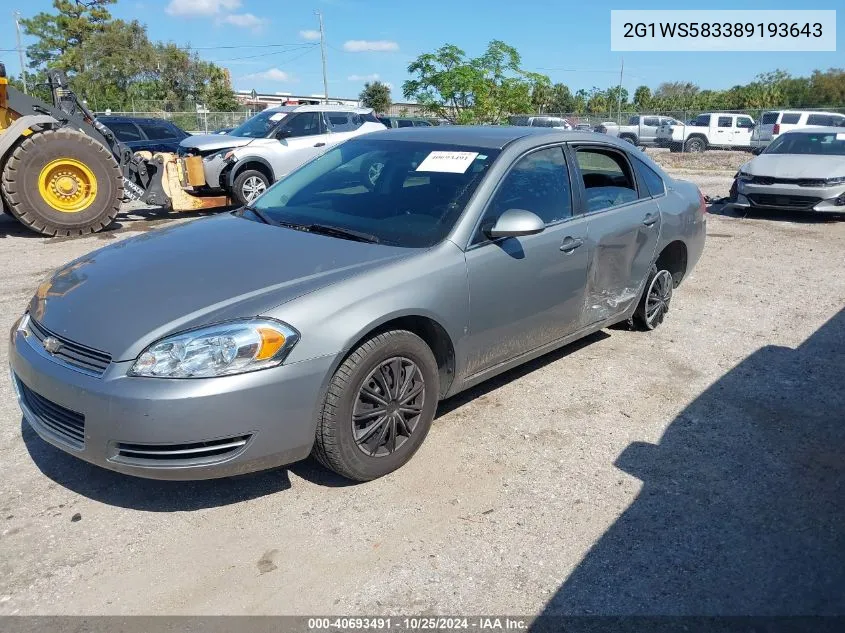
x: 658, y: 297
x: 252, y: 188
x: 388, y: 406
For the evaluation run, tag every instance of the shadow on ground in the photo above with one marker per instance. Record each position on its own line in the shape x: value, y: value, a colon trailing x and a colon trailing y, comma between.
x: 776, y: 215
x: 742, y: 510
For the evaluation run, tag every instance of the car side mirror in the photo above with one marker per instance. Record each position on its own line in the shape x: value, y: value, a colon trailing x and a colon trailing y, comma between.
x: 515, y: 223
x: 283, y: 134
x: 757, y: 151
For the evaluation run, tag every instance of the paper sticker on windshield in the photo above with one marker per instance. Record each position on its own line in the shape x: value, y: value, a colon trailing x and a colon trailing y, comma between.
x: 840, y: 137
x: 278, y: 116
x: 449, y: 162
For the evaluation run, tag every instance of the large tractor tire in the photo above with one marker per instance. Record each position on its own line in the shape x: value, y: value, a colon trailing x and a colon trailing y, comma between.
x: 62, y: 182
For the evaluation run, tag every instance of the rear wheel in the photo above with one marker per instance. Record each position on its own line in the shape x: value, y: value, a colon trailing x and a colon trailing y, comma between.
x: 379, y: 406
x: 628, y: 138
x: 62, y: 182
x: 248, y: 185
x: 654, y: 304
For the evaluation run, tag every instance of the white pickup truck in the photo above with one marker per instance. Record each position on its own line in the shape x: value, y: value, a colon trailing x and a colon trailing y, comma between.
x: 640, y: 130
x: 722, y: 130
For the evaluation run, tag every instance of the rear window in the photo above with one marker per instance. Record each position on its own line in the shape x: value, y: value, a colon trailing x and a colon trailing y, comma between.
x: 791, y: 118
x: 770, y: 118
x: 160, y: 129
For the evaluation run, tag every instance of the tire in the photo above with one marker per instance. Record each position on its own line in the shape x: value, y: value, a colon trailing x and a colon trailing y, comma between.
x: 248, y: 185
x: 629, y: 139
x: 654, y: 303
x: 675, y: 148
x: 695, y: 145
x: 62, y: 182
x: 367, y: 458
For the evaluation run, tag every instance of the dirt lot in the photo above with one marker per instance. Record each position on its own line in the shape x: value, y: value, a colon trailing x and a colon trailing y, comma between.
x: 696, y: 469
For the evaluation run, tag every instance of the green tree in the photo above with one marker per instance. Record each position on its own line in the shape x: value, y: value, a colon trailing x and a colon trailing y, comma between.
x: 642, y: 98
x: 376, y: 95
x: 562, y: 100
x: 480, y: 90
x: 62, y: 34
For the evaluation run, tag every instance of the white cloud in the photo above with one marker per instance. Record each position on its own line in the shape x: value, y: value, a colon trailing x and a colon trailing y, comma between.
x: 373, y: 77
x: 311, y: 36
x: 201, y: 7
x: 379, y: 46
x: 273, y: 74
x: 244, y: 20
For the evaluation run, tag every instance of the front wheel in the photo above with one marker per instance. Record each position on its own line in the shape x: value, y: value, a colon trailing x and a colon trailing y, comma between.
x: 248, y: 185
x: 379, y: 406
x: 695, y: 146
x: 654, y: 304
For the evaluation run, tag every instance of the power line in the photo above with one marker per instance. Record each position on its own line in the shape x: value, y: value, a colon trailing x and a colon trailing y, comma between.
x: 289, y: 50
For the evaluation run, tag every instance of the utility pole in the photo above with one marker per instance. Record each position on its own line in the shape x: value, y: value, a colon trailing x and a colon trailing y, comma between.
x: 323, y: 54
x: 619, y: 95
x: 20, y: 51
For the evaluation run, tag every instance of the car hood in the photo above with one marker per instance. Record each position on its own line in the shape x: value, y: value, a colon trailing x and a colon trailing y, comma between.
x: 209, y: 142
x: 795, y: 166
x: 123, y: 297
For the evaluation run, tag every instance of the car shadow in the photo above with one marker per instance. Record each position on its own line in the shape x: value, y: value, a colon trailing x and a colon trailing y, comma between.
x: 776, y: 215
x: 153, y: 495
x: 742, y: 508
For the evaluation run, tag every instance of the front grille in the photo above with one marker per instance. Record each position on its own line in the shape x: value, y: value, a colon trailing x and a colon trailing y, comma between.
x: 179, y: 454
x: 73, y: 354
x: 66, y: 425
x: 799, y: 182
x: 783, y: 202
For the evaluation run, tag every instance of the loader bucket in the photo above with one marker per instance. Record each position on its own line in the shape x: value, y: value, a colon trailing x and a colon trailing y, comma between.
x: 179, y: 176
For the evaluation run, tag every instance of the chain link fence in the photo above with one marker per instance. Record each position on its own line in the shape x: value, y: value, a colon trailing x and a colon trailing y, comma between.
x: 594, y: 119
x: 192, y: 122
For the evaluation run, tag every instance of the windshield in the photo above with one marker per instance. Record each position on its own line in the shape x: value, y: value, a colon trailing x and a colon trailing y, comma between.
x: 402, y: 193
x: 259, y: 125
x: 823, y: 143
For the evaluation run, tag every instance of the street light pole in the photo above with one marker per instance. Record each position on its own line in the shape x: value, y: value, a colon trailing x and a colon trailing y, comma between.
x: 323, y: 54
x: 20, y: 51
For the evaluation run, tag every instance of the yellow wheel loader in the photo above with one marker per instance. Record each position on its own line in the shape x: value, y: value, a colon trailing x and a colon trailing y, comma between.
x: 64, y: 173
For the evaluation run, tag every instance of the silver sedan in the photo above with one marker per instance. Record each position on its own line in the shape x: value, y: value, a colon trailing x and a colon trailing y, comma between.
x: 332, y: 316
x: 801, y: 170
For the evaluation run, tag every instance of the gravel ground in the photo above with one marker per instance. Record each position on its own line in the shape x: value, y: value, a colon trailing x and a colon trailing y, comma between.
x: 696, y: 469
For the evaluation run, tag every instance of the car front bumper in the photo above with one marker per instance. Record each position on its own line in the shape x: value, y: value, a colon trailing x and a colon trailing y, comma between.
x: 179, y: 429
x: 790, y: 197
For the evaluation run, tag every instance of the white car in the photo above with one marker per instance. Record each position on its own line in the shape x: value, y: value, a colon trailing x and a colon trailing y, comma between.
x: 776, y: 122
x: 268, y: 146
x: 723, y: 130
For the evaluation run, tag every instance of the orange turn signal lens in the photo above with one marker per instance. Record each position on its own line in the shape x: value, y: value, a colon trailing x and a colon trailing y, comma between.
x: 271, y: 342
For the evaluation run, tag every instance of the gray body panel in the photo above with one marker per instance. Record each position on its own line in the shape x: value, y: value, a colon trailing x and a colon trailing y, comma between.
x: 501, y: 303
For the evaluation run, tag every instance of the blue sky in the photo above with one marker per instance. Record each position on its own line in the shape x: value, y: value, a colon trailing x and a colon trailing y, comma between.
x: 368, y: 39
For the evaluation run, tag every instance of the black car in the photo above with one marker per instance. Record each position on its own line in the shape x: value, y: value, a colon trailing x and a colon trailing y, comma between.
x: 153, y: 135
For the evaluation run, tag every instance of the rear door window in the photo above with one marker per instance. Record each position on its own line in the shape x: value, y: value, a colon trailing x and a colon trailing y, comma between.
x: 125, y: 131
x: 607, y: 177
x: 406, y: 123
x: 340, y: 121
x: 744, y: 122
x: 160, y: 130
x: 651, y: 120
x: 790, y: 118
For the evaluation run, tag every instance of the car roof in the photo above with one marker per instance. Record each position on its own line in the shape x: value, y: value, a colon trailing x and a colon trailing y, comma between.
x: 488, y: 136
x: 131, y: 119
x: 320, y: 108
x: 805, y: 112
x: 817, y: 130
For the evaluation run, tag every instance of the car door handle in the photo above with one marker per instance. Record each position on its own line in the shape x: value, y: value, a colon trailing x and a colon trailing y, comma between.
x: 571, y: 243
x: 319, y: 144
x: 650, y: 219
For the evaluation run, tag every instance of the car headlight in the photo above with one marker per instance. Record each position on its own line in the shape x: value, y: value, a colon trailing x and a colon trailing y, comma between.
x: 225, y: 155
x: 235, y: 347
x: 835, y: 181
